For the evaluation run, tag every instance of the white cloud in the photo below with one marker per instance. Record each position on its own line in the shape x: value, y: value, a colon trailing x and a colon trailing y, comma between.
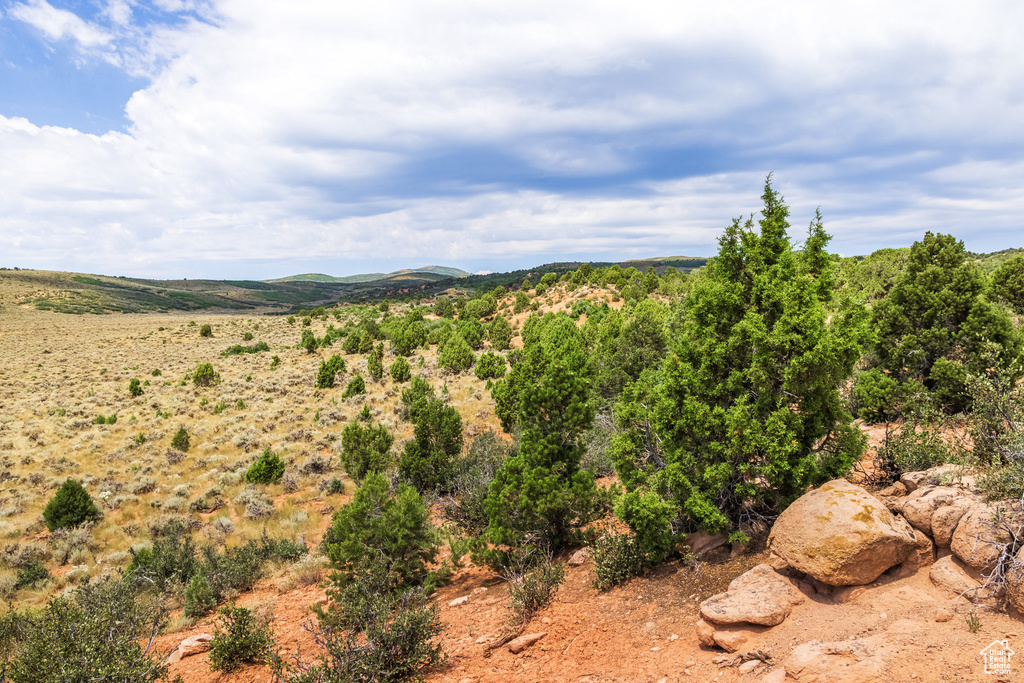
x: 58, y: 24
x: 293, y: 130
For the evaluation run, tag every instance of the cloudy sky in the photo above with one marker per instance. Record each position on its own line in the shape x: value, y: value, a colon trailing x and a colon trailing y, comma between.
x: 260, y: 138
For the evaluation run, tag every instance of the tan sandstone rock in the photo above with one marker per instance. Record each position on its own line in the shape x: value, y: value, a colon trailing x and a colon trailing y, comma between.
x: 522, y: 642
x: 945, y: 519
x: 978, y: 539
x: 760, y: 596
x: 920, y: 505
x: 1015, y: 582
x: 841, y: 535
x: 951, y: 574
x: 190, y: 646
x: 850, y: 661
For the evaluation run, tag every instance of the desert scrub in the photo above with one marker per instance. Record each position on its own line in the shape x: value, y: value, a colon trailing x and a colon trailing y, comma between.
x: 206, y: 330
x: 135, y: 387
x: 181, y: 440
x: 617, y: 558
x: 245, y: 638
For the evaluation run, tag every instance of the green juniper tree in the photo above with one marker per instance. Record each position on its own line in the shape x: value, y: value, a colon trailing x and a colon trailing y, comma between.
x: 745, y: 412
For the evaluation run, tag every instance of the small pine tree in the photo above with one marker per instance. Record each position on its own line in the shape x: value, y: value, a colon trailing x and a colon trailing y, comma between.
x: 375, y: 363
x: 426, y: 462
x: 400, y: 370
x: 205, y: 376
x: 135, y: 387
x: 308, y: 341
x: 181, y: 440
x: 365, y: 450
x: 268, y: 469
x: 206, y: 330
x: 501, y: 333
x: 328, y: 371
x: 69, y: 507
x: 490, y: 366
x: 456, y: 354
x: 199, y: 597
x: 356, y: 386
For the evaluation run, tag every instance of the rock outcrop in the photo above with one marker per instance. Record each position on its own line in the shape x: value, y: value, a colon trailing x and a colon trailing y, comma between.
x: 841, y: 535
x: 848, y: 661
x: 190, y: 646
x: 760, y: 596
x: 979, y: 538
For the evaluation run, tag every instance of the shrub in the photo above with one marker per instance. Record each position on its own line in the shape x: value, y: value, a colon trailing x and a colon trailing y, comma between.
x: 365, y: 450
x: 31, y: 574
x: 913, y: 446
x: 876, y: 396
x: 181, y: 441
x: 471, y: 479
x: 171, y: 561
x: 356, y: 386
x: 1008, y: 283
x: 199, y: 597
x: 400, y: 370
x: 246, y: 638
x: 531, y: 590
x: 500, y: 333
x: 205, y: 375
x: 308, y: 341
x: 135, y: 387
x: 426, y: 461
x: 268, y: 469
x: 369, y: 634
x: 70, y: 506
x: 395, y: 526
x: 490, y: 366
x: 206, y: 330
x: 617, y: 558
x: 102, y: 632
x: 375, y: 363
x: 238, y: 349
x: 456, y: 355
x: 329, y: 369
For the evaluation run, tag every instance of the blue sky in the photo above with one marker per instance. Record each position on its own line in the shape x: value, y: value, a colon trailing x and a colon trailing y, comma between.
x: 255, y: 138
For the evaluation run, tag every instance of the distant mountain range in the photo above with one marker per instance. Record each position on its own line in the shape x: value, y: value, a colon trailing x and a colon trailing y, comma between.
x: 426, y: 273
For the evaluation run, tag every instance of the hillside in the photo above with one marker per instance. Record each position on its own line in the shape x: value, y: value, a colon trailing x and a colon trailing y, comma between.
x: 427, y: 273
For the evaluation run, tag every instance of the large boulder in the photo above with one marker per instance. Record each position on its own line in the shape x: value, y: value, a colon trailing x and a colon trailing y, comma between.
x: 920, y: 505
x: 760, y: 596
x: 841, y: 535
x: 945, y: 519
x: 980, y: 538
x: 1015, y: 582
x: 950, y: 574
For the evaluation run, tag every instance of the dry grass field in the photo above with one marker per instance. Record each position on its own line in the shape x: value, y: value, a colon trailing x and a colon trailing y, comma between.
x: 59, y: 373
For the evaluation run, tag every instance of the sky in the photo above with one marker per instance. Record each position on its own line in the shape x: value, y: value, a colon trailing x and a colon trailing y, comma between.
x: 260, y: 138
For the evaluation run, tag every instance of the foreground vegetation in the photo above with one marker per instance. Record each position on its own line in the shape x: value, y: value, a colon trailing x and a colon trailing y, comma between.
x: 501, y: 426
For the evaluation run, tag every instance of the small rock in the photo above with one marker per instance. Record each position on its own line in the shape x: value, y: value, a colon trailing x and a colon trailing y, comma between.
x: 943, y: 614
x: 459, y: 601
x: 673, y: 637
x: 702, y: 544
x: 845, y: 594
x: 522, y: 642
x: 478, y: 591
x: 775, y: 676
x: 655, y: 649
x: 747, y: 667
x: 190, y: 646
x: 731, y: 640
x: 847, y: 661
x: 579, y: 557
x: 950, y: 573
x: 545, y: 620
x: 760, y: 596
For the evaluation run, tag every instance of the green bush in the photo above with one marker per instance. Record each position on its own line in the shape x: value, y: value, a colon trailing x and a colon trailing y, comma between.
x: 400, y: 370
x: 171, y: 562
x: 135, y: 387
x: 915, y: 445
x: 456, y: 355
x: 206, y: 331
x: 268, y: 469
x: 205, y: 375
x: 199, y: 597
x: 246, y: 638
x: 328, y: 371
x: 181, y: 440
x: 70, y: 506
x: 426, y: 461
x: 617, y: 558
x: 490, y: 366
x: 375, y: 363
x: 308, y: 341
x: 418, y: 389
x: 102, y: 632
x: 238, y: 349
x: 356, y: 386
x: 1008, y: 283
x: 395, y: 526
x: 471, y: 478
x: 500, y: 333
x: 365, y: 450
x: 533, y: 589
x: 31, y: 574
x: 876, y: 396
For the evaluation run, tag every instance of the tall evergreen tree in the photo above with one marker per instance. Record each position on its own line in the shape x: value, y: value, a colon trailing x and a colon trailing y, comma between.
x: 745, y: 411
